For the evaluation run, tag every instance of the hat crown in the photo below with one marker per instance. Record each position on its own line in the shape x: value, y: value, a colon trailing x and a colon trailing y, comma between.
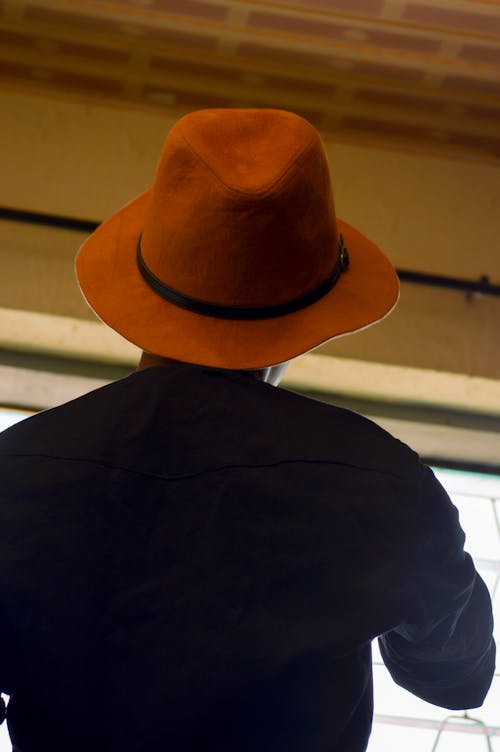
x: 248, y: 150
x: 241, y: 210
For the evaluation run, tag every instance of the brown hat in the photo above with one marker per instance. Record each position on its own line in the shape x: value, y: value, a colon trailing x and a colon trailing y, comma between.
x: 234, y: 258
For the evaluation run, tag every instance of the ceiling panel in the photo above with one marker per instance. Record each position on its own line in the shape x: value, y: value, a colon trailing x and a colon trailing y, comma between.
x: 411, y: 75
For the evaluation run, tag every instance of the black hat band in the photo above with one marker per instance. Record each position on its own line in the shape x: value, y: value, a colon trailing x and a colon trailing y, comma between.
x: 241, y: 312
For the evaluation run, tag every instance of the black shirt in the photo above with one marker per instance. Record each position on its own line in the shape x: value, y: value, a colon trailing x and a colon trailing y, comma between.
x: 191, y: 559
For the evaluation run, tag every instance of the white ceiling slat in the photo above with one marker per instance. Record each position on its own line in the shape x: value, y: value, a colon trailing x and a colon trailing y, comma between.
x: 67, y: 337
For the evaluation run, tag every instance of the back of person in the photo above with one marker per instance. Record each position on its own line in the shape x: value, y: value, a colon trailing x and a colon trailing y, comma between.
x: 194, y: 559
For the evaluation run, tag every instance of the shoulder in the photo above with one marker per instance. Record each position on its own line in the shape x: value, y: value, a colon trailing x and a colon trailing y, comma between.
x: 75, y: 416
x: 318, y: 431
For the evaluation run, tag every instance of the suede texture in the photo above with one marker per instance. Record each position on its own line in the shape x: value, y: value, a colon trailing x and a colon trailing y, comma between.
x: 241, y: 213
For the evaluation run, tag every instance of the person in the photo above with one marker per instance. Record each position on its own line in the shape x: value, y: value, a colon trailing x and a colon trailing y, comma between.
x: 192, y: 557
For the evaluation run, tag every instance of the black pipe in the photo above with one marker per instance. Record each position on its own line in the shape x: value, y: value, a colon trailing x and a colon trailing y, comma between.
x: 48, y: 220
x: 483, y: 285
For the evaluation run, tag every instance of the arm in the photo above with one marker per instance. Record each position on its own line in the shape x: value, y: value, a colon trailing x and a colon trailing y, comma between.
x: 444, y: 653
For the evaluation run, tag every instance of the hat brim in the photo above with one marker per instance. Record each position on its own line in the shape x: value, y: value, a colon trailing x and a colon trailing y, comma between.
x: 115, y: 289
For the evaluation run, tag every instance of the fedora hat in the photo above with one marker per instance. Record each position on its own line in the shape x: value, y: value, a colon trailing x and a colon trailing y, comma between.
x: 234, y: 258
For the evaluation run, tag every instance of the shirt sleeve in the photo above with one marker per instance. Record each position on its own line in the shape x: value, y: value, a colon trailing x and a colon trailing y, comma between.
x: 444, y: 652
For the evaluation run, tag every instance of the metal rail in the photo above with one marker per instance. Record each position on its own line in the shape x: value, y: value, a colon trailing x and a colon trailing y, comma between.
x: 450, y: 723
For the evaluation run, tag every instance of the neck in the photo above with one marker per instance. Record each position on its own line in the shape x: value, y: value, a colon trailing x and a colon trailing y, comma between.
x: 148, y: 360
x: 271, y: 375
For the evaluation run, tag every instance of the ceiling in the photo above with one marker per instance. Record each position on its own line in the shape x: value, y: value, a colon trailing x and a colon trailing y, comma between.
x: 418, y: 75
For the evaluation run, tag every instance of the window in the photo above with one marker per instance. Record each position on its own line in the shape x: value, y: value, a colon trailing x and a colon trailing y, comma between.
x: 9, y: 416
